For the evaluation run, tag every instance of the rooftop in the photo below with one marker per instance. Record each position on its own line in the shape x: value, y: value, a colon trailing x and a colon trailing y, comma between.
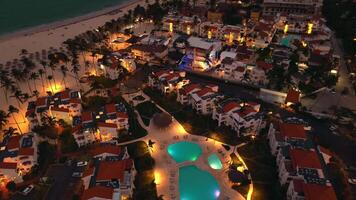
x: 106, y: 172
x: 316, y: 192
x: 98, y: 192
x: 292, y: 131
x: 304, y: 159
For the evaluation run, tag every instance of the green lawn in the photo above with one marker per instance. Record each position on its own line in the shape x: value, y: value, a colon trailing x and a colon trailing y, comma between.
x: 147, y: 109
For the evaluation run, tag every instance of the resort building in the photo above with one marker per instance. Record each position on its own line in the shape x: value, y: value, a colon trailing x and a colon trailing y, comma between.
x: 18, y: 155
x: 292, y: 7
x: 242, y: 117
x: 230, y: 34
x: 260, y: 36
x: 183, y: 24
x: 293, y: 97
x: 63, y: 105
x: 301, y: 190
x: 83, y: 136
x: 167, y: 81
x: 107, y: 151
x: 283, y: 134
x: 203, y: 52
x: 102, y: 180
x: 293, y: 165
x: 149, y: 53
x: 210, y: 30
x: 184, y: 93
x: 203, y: 101
x: 115, y: 65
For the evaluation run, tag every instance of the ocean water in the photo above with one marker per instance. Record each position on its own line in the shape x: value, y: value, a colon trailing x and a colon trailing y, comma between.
x: 20, y: 14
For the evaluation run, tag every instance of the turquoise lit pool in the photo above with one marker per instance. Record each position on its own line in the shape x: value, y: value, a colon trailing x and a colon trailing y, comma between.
x: 215, y: 162
x: 197, y: 184
x: 184, y: 151
x: 287, y: 40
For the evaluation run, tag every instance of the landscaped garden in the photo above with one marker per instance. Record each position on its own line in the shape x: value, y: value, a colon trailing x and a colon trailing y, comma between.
x: 147, y: 109
x: 145, y: 187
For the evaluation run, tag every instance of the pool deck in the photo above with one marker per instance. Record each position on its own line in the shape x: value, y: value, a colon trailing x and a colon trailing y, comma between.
x: 167, y: 170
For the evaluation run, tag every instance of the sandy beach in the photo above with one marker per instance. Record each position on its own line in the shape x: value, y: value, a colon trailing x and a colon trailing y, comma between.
x: 53, y: 34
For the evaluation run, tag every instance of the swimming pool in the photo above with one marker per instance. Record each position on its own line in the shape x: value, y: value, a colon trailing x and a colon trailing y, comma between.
x: 214, y: 162
x: 286, y: 41
x: 184, y: 151
x: 197, y: 184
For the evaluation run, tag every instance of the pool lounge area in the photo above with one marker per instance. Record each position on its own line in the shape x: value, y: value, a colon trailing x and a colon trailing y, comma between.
x: 195, y: 183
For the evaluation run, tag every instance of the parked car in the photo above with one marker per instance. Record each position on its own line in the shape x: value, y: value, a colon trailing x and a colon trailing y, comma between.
x: 352, y: 181
x: 82, y: 163
x: 77, y: 174
x: 27, y: 190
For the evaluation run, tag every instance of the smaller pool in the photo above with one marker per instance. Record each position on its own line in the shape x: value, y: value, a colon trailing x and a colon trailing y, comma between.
x: 184, y: 151
x: 287, y: 40
x: 215, y: 162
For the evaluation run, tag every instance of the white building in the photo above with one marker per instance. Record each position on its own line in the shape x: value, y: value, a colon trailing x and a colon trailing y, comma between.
x: 301, y: 190
x: 203, y: 101
x: 167, y: 81
x: 184, y: 93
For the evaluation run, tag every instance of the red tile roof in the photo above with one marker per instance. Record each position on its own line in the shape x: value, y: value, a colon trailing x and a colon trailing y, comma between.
x: 298, y: 185
x: 58, y: 109
x: 325, y: 151
x: 87, y: 116
x: 293, y: 96
x: 64, y: 94
x: 75, y: 100
x: 230, y: 106
x: 304, y: 159
x: 109, y: 125
x: 263, y: 65
x: 41, y: 101
x: 122, y: 115
x: 76, y: 128
x: 292, y: 131
x: 246, y: 110
x: 189, y: 88
x: 110, y: 108
x: 27, y: 151
x: 318, y: 192
x: 112, y: 149
x: 13, y: 143
x: 106, y: 172
x: 99, y: 192
x: 8, y: 165
x: 204, y: 91
x: 88, y: 171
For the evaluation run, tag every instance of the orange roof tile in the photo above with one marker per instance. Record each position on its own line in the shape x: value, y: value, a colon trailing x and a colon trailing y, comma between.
x: 88, y: 171
x: 13, y: 143
x: 58, y: 109
x: 204, y: 91
x: 230, y: 106
x: 64, y: 94
x: 75, y: 100
x: 27, y: 151
x: 304, y: 159
x: 105, y: 171
x: 112, y: 149
x: 189, y: 88
x: 87, y: 116
x: 316, y: 192
x: 293, y: 96
x: 122, y: 115
x: 246, y: 110
x: 292, y: 131
x: 41, y: 101
x: 8, y: 165
x: 110, y: 108
x: 325, y: 150
x: 109, y: 125
x: 99, y: 192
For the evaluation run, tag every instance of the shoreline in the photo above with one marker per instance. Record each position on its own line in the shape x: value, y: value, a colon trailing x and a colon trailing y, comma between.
x: 68, y: 21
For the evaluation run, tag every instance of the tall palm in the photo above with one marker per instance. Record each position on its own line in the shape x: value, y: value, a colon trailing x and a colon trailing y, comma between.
x: 75, y: 69
x: 94, y: 52
x: 53, y: 67
x: 50, y: 78
x: 64, y: 71
x: 36, y: 93
x: 34, y: 76
x: 18, y: 96
x: 11, y: 110
x: 26, y: 75
x: 11, y: 131
x: 41, y: 72
x: 3, y: 119
x: 7, y: 84
x: 17, y: 75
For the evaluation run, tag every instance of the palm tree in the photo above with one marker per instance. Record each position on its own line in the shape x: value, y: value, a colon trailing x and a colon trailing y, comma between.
x: 53, y: 67
x: 49, y: 78
x: 36, y: 93
x: 41, y: 72
x: 18, y: 96
x: 7, y: 84
x: 75, y: 69
x: 34, y: 76
x: 3, y: 119
x: 64, y: 71
x: 11, y: 131
x: 11, y: 110
x: 17, y: 75
x: 94, y: 52
x: 25, y: 75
